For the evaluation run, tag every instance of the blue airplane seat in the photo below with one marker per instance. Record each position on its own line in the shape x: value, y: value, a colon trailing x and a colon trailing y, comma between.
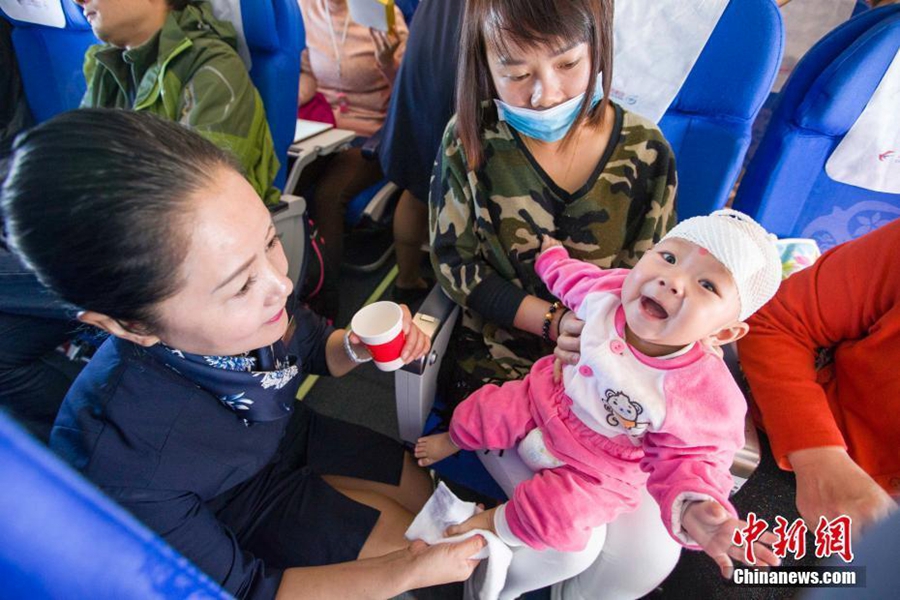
x: 62, y: 538
x: 785, y: 187
x: 408, y: 8
x: 710, y: 121
x: 275, y: 37
x: 50, y: 56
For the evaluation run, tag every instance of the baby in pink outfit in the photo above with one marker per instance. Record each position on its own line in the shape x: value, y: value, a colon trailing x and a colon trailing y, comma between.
x: 650, y: 401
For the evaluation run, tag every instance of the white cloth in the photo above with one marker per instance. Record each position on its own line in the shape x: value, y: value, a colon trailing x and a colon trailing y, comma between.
x: 39, y: 12
x: 656, y: 45
x: 444, y: 509
x: 869, y: 155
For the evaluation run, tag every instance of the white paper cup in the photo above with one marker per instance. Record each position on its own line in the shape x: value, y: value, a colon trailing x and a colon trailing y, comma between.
x: 380, y: 327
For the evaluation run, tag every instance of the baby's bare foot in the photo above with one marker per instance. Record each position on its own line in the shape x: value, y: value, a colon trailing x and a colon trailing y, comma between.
x: 433, y: 448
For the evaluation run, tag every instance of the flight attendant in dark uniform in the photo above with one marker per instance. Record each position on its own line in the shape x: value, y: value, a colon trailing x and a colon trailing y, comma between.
x: 186, y: 415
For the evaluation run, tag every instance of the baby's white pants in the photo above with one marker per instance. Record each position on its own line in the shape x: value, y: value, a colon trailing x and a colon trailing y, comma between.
x: 625, y: 559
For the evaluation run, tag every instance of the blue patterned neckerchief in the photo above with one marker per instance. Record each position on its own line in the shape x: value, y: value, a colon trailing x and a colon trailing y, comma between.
x: 257, y: 387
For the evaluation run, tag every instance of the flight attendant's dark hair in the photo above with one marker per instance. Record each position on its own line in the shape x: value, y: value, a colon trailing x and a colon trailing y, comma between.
x: 98, y: 203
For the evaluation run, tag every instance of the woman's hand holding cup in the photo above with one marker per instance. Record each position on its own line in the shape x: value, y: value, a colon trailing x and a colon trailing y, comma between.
x: 417, y: 343
x: 387, y: 332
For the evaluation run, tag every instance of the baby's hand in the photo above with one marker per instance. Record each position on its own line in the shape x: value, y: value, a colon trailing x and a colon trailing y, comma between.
x: 483, y: 520
x: 712, y: 528
x: 549, y: 242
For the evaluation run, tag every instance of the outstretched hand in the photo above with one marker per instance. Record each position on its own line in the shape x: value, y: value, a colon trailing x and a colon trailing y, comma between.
x: 712, y: 527
x: 417, y: 343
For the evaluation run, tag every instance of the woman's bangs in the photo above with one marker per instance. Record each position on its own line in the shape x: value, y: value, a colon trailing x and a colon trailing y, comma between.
x: 514, y: 24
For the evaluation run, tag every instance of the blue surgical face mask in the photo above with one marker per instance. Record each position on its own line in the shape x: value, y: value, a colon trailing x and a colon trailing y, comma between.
x: 549, y: 125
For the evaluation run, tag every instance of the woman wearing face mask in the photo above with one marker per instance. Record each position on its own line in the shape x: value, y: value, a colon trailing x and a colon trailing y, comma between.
x: 537, y: 148
x: 186, y: 415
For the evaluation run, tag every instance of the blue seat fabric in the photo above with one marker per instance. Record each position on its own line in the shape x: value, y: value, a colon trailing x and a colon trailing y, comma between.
x: 273, y: 30
x: 709, y: 123
x: 62, y: 538
x: 786, y: 188
x: 50, y: 61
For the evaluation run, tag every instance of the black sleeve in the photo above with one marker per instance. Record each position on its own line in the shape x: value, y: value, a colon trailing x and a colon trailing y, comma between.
x: 191, y: 528
x: 497, y: 300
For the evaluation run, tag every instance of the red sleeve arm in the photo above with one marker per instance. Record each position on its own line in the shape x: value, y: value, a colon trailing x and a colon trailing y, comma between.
x: 836, y: 300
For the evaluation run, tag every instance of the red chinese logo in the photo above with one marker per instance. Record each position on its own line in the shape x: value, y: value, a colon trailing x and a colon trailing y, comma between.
x: 748, y: 535
x: 790, y: 539
x: 831, y: 537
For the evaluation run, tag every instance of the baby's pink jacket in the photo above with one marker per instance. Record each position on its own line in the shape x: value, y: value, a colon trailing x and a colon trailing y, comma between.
x: 684, y: 454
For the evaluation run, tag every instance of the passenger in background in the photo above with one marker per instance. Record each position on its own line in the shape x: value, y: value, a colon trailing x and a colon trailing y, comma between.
x: 14, y: 113
x: 187, y: 416
x: 821, y: 359
x: 34, y: 377
x: 537, y: 148
x: 421, y: 105
x: 354, y: 67
x: 169, y: 57
x: 175, y: 59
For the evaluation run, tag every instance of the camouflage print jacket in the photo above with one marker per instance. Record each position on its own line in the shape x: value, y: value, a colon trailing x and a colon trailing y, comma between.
x: 486, y: 227
x: 190, y: 73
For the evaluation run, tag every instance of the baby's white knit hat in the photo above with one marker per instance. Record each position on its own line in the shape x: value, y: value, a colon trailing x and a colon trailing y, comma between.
x: 744, y: 247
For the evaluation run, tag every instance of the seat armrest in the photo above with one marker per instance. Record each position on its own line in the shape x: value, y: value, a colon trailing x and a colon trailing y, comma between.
x: 747, y: 459
x: 309, y: 149
x: 381, y: 201
x: 370, y: 147
x: 416, y: 383
x: 287, y: 216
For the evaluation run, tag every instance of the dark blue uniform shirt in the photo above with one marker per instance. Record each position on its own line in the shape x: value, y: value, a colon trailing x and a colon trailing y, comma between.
x: 165, y: 450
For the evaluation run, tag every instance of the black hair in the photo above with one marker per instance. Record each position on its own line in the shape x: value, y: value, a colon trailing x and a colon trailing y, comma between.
x: 178, y: 4
x: 502, y: 23
x: 97, y: 203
